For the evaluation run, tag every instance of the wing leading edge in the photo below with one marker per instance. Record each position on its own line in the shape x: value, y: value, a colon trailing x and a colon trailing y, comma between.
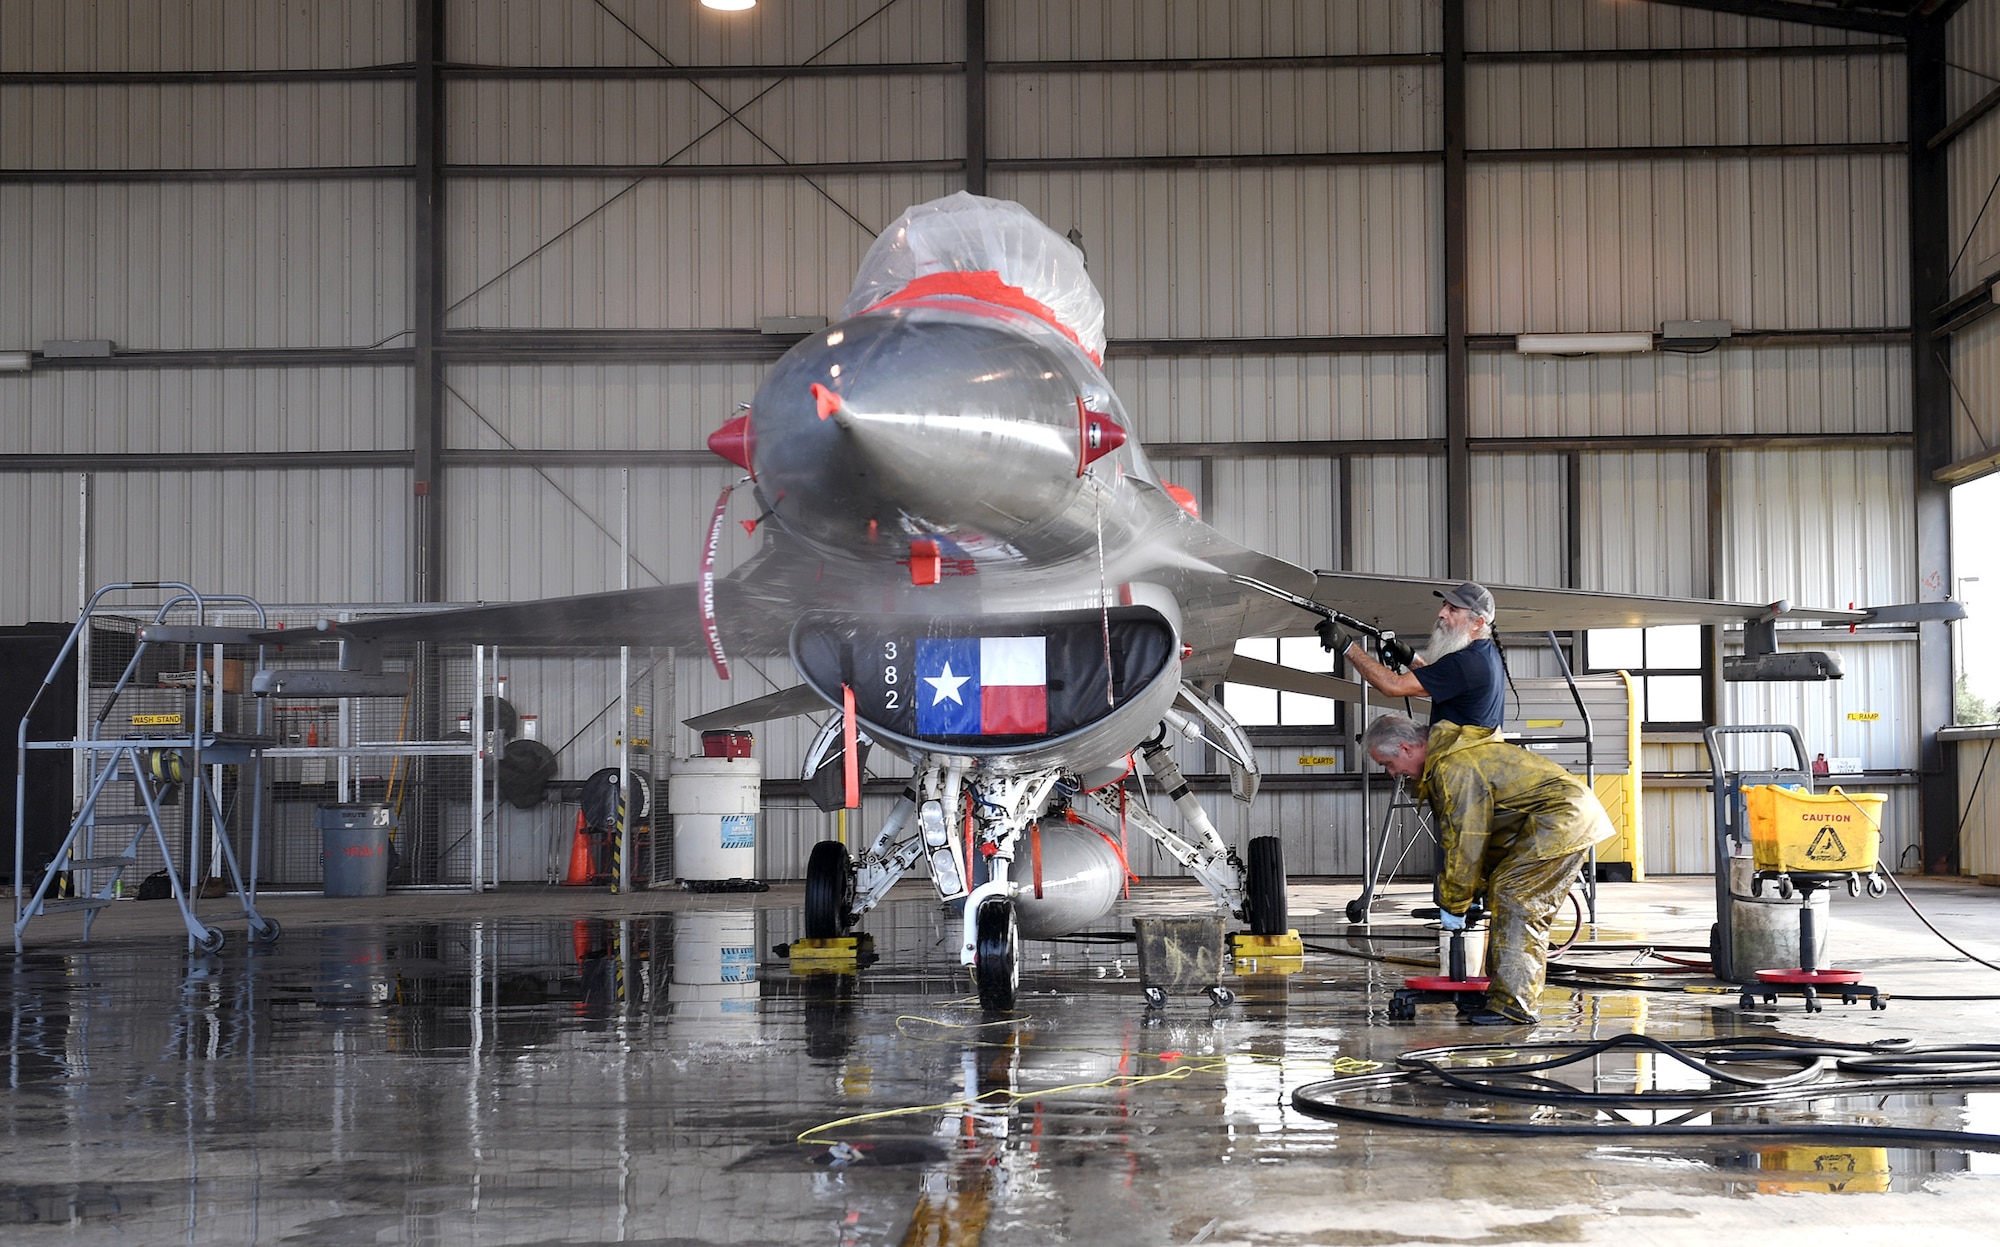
x: 1408, y: 607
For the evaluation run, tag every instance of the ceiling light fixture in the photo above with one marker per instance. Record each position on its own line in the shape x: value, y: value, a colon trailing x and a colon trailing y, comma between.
x: 1582, y: 343
x: 729, y: 6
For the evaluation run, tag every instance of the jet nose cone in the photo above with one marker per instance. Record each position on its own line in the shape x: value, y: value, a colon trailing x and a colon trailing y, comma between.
x: 923, y: 424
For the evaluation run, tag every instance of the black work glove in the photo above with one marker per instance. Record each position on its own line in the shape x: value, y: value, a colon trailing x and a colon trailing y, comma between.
x: 1395, y: 653
x: 1330, y: 638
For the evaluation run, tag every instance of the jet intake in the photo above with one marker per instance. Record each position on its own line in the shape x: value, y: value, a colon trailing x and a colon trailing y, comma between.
x: 987, y: 684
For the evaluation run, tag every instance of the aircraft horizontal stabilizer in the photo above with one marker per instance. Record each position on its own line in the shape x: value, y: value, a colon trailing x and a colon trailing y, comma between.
x: 1261, y: 674
x: 799, y: 699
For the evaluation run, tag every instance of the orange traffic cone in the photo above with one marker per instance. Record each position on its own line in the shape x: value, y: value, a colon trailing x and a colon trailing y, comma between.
x: 579, y: 857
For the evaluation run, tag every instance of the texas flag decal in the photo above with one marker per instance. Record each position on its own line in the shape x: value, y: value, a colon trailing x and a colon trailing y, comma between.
x: 982, y: 686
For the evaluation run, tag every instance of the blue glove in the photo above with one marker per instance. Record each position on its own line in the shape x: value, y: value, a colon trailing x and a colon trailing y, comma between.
x: 1451, y: 921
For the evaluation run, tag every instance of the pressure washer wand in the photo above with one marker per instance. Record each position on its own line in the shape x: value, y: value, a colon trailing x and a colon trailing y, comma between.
x: 1392, y: 651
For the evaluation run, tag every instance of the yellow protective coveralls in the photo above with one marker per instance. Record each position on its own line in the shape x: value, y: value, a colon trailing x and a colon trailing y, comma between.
x: 1514, y: 825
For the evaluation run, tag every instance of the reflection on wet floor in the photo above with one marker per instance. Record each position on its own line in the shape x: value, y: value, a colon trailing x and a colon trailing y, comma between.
x: 668, y: 1078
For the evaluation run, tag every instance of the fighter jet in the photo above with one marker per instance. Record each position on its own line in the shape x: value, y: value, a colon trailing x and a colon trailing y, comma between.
x: 969, y: 559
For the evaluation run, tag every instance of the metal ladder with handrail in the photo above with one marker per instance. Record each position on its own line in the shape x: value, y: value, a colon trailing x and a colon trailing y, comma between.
x: 96, y: 875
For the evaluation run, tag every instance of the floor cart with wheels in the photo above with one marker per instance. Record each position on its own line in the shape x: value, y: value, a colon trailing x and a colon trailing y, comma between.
x: 1773, y: 834
x: 1181, y: 955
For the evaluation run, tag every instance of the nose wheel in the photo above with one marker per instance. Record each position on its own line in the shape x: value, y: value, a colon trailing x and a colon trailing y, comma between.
x: 997, y: 968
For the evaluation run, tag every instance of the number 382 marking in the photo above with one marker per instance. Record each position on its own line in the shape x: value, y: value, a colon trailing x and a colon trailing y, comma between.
x: 892, y: 697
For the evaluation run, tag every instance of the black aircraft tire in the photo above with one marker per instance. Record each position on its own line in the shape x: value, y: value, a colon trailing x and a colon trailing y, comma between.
x: 1264, y: 890
x: 998, y: 966
x: 829, y: 891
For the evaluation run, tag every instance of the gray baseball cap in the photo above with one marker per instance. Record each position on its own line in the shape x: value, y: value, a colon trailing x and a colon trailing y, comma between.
x: 1468, y: 596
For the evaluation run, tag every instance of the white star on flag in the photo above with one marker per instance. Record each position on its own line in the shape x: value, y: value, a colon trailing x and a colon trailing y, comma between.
x: 946, y: 686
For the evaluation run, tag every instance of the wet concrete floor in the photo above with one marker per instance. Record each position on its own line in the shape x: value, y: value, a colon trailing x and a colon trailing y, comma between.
x: 556, y: 1066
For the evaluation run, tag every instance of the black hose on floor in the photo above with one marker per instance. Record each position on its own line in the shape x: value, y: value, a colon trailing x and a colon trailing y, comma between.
x: 1741, y: 1072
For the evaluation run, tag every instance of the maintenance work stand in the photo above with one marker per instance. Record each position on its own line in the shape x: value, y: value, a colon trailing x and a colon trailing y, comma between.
x: 189, y: 753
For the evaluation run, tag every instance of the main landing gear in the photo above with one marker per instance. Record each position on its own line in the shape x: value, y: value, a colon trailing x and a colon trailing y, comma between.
x: 967, y: 827
x: 996, y: 966
x: 829, y: 891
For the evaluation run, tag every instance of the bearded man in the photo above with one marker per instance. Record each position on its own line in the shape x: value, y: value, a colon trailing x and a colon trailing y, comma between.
x: 1460, y: 670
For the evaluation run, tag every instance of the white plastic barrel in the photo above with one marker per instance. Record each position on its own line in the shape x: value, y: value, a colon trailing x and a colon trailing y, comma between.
x: 714, y: 803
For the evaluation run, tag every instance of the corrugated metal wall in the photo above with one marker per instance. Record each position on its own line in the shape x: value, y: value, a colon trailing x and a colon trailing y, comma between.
x: 1208, y: 253
x: 136, y: 35
x: 1979, y: 797
x: 1281, y: 398
x: 1251, y: 252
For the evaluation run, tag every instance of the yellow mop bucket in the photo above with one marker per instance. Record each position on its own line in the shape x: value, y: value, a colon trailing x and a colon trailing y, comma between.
x: 1795, y: 830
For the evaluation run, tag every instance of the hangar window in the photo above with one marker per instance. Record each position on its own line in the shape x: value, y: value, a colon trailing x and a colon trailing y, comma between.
x: 1255, y: 707
x: 1665, y: 666
x: 1975, y: 568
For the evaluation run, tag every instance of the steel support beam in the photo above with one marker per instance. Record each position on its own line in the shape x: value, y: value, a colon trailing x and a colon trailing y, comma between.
x: 1457, y: 391
x: 232, y: 357
x: 1681, y: 441
x: 1845, y: 17
x: 1711, y: 636
x: 206, y: 461
x: 1965, y: 120
x: 1573, y: 520
x: 1695, y: 151
x: 1236, y: 348
x: 280, y: 173
x: 975, y: 96
x: 1764, y: 52
x: 769, y: 169
x: 1340, y: 449
x: 1930, y: 415
x: 463, y: 72
x: 200, y: 77
x: 427, y: 305
x: 527, y: 347
x: 1322, y: 448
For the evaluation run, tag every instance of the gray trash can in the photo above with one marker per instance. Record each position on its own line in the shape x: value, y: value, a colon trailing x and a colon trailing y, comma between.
x: 354, y: 858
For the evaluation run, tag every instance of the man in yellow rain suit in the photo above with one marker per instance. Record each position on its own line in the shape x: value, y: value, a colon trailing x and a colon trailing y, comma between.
x: 1514, y: 825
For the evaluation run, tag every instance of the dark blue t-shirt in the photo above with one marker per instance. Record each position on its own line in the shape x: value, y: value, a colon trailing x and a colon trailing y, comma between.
x: 1469, y: 687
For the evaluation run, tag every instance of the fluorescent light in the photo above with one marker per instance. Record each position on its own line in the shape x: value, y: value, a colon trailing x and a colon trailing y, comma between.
x: 16, y: 361
x: 729, y: 6
x: 1582, y: 343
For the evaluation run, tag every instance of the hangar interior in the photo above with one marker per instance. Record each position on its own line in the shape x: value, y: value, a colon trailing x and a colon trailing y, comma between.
x: 358, y: 307
x: 395, y: 321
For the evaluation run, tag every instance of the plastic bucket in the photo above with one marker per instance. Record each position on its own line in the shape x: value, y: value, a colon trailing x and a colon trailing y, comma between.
x: 714, y: 804
x: 1475, y: 952
x: 1828, y: 832
x: 354, y: 849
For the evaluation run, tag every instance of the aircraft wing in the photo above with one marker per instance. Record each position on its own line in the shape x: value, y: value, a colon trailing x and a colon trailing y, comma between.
x: 1409, y: 607
x: 755, y: 606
